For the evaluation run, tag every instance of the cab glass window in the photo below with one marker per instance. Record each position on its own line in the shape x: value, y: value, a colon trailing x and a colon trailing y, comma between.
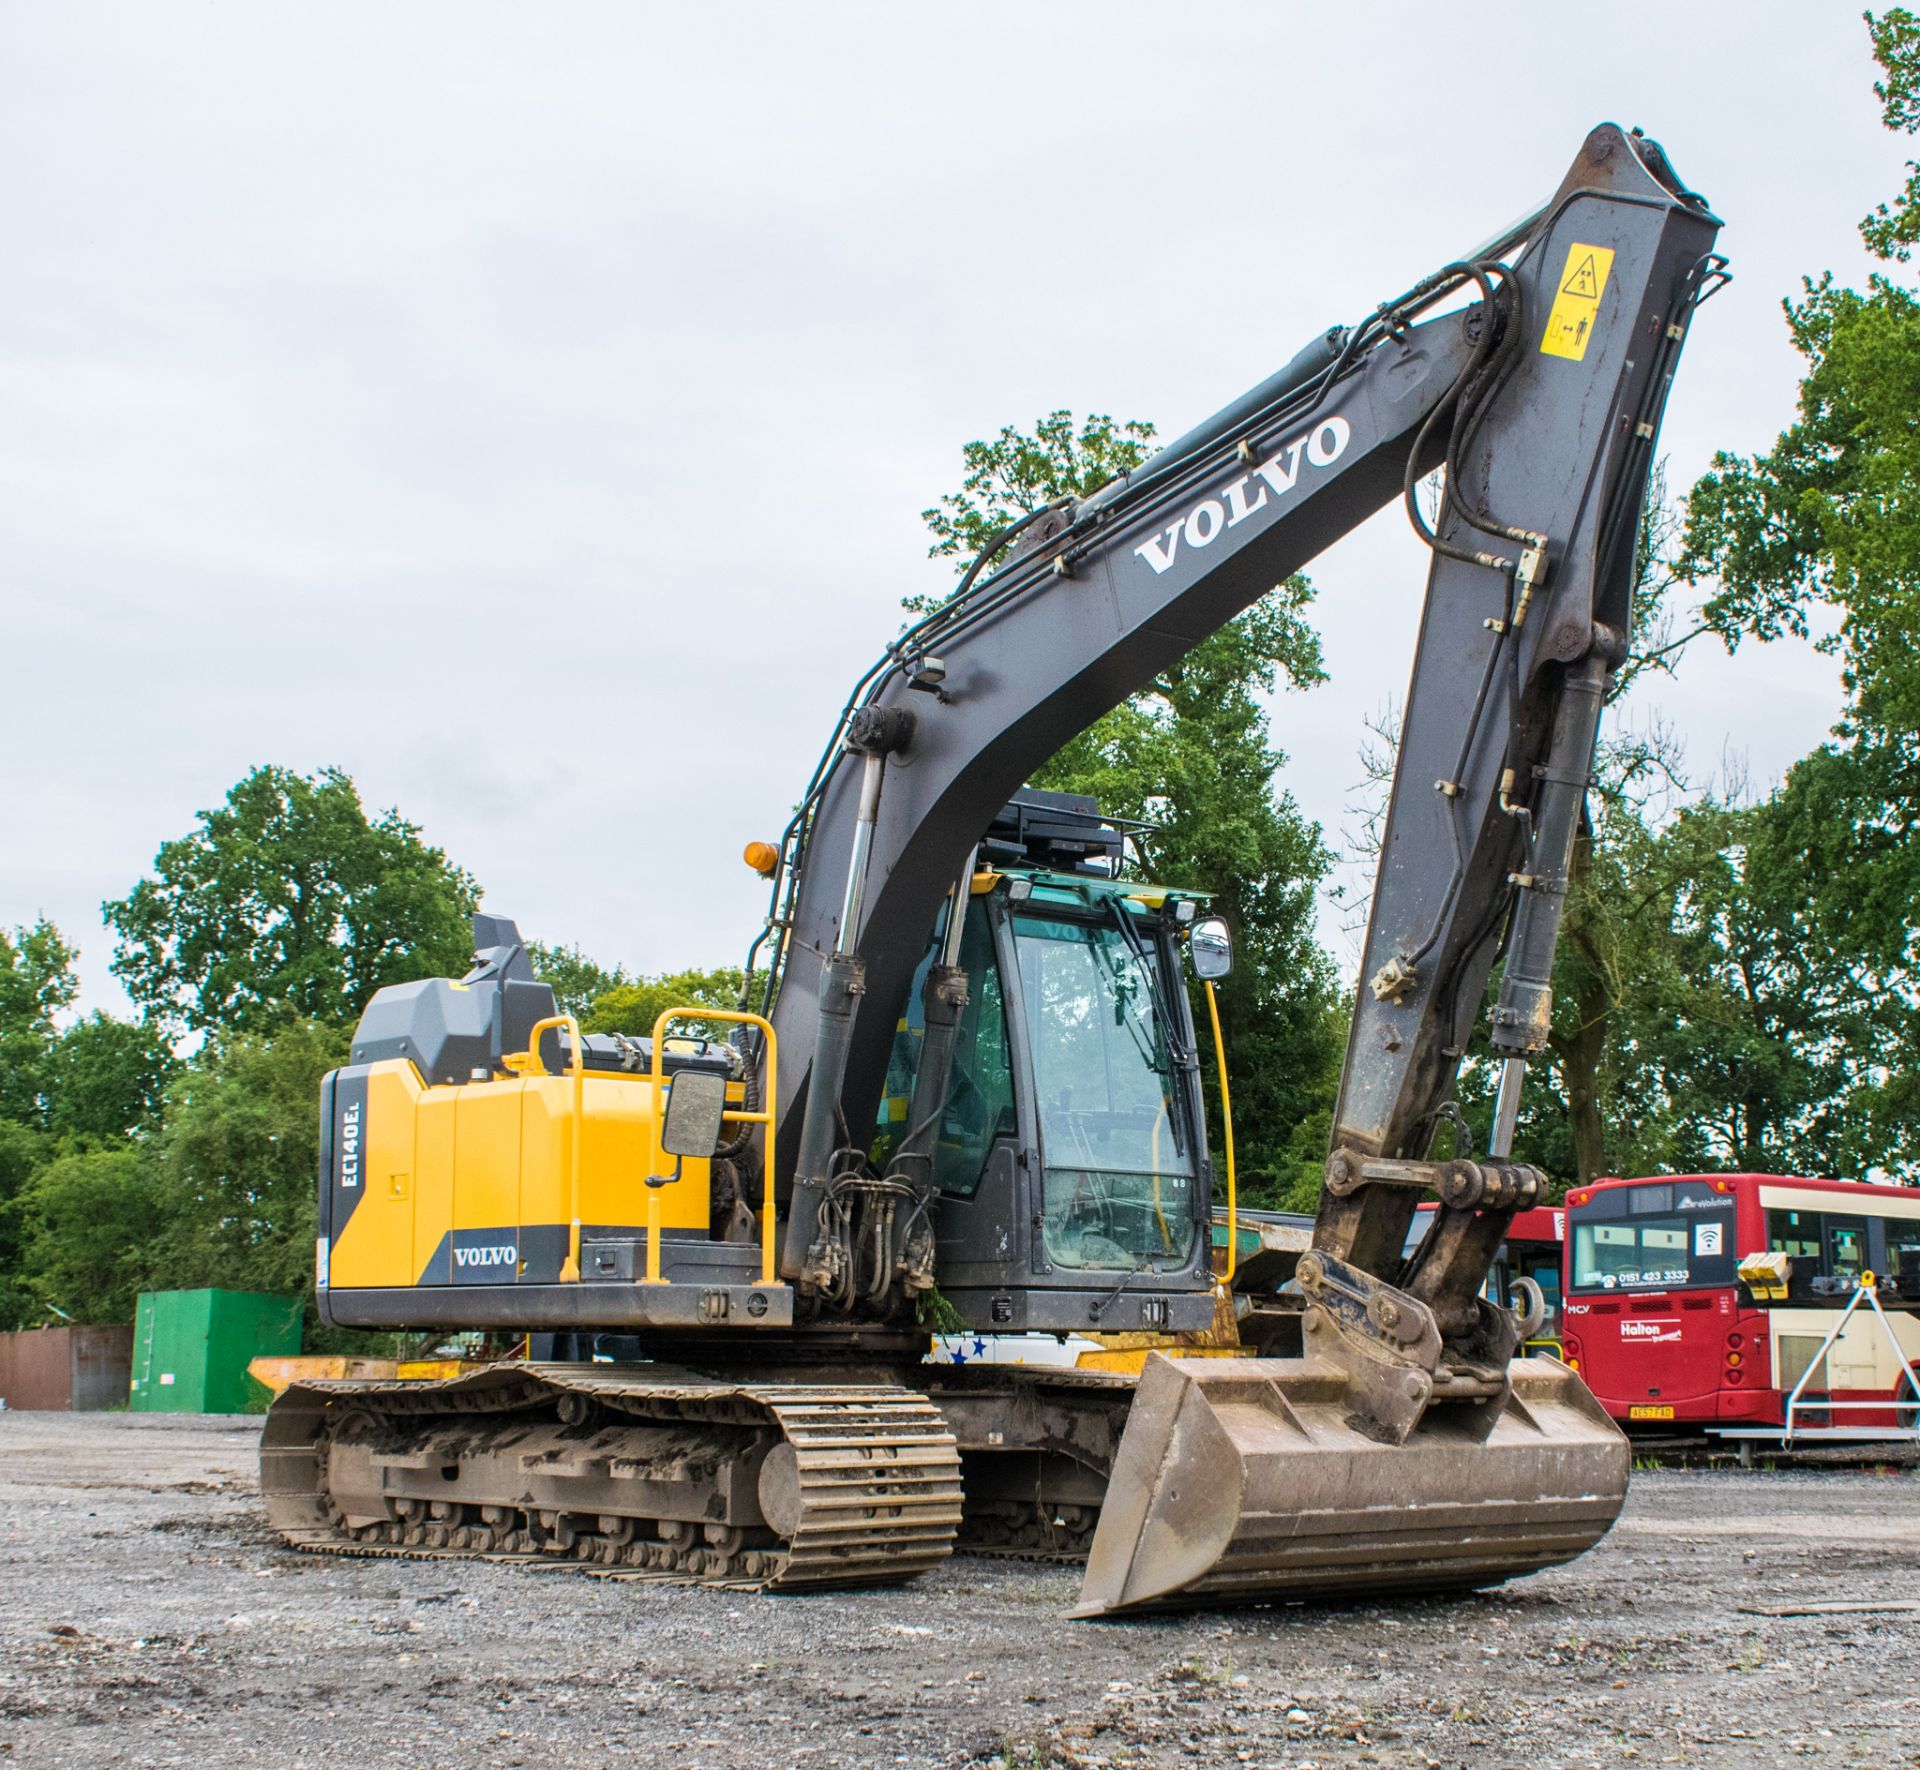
x: 1119, y: 1162
x: 979, y: 1105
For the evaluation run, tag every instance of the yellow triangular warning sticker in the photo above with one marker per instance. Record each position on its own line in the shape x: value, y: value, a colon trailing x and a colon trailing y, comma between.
x: 1584, y: 282
x: 1575, y: 314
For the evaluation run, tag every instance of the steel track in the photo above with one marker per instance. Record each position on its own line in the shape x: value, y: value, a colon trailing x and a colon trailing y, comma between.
x: 870, y: 1488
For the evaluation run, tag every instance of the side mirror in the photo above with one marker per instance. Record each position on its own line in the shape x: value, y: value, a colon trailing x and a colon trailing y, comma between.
x: 1212, y: 949
x: 695, y: 1100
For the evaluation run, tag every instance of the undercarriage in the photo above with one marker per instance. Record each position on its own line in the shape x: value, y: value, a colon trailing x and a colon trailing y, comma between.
x: 1201, y: 1481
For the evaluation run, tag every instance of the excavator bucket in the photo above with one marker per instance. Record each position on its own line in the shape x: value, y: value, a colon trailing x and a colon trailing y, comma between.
x: 1241, y: 1479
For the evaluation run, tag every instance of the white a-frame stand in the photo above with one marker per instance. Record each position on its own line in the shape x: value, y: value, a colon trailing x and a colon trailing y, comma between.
x: 1868, y: 1292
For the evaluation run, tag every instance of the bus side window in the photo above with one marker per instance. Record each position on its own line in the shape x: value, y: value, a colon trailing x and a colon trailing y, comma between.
x: 1846, y: 1247
x: 1903, y: 1244
x: 1902, y: 1256
x: 1796, y: 1233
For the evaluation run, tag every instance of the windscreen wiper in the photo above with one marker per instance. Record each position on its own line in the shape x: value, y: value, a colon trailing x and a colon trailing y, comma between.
x: 1179, y: 1056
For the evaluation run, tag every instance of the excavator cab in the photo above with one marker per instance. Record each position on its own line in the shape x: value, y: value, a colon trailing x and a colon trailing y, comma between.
x: 1073, y: 1103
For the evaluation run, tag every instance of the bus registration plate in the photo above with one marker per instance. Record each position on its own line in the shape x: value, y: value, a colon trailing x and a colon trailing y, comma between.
x: 1650, y: 1413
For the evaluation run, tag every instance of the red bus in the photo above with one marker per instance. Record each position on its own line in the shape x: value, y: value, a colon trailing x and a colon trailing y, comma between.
x: 1666, y: 1333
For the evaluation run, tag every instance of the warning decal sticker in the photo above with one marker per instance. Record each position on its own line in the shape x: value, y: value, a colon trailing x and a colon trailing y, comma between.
x: 1576, y: 305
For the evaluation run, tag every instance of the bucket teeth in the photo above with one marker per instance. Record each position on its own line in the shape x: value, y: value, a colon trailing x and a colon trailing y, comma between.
x: 1244, y: 1479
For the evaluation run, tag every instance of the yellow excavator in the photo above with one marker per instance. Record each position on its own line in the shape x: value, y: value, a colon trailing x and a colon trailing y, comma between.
x: 963, y: 1089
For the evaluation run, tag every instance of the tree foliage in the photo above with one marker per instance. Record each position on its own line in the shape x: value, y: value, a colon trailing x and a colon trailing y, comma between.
x: 75, y: 1219
x: 632, y: 1005
x: 221, y: 1194
x: 91, y: 1224
x: 1820, y: 536
x: 23, y: 1153
x: 1191, y: 755
x: 107, y: 1078
x: 1767, y: 1027
x: 1015, y: 473
x: 124, y: 1166
x: 1737, y: 1036
x: 238, y: 1158
x: 266, y: 927
x: 36, y: 981
x: 289, y: 903
x: 576, y: 980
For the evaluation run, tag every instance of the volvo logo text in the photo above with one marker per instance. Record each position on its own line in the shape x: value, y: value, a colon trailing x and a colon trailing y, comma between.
x: 509, y: 1255
x: 1208, y: 520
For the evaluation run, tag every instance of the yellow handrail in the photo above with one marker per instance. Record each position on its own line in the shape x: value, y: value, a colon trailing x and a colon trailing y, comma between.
x: 731, y: 1115
x: 1226, y: 1122
x: 570, y: 1267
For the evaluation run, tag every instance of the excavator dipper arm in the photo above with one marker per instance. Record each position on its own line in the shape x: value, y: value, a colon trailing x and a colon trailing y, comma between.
x: 1496, y: 749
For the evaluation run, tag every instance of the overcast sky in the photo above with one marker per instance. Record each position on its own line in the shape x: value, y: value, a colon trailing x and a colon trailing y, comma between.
x: 529, y: 408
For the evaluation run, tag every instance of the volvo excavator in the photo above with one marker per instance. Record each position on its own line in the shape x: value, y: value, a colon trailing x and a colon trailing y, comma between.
x: 964, y: 1086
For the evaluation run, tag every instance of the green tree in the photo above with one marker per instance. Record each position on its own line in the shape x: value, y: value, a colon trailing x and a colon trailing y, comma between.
x: 1613, y: 959
x: 632, y: 1005
x: 107, y: 1078
x: 288, y: 902
x: 65, y: 1097
x: 92, y: 1222
x: 577, y: 981
x: 1763, y: 1032
x: 23, y: 1152
x: 36, y: 982
x: 1016, y: 473
x: 1191, y: 755
x: 239, y: 1156
x: 1702, y: 1020
x: 1826, y: 525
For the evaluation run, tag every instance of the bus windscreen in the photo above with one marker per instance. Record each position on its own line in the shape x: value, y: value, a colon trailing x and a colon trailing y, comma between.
x: 1665, y: 1236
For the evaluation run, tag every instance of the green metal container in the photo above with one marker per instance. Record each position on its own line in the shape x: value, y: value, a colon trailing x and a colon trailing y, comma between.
x: 190, y: 1348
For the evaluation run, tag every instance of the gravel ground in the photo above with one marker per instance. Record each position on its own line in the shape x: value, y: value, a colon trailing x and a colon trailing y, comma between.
x: 148, y: 1617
